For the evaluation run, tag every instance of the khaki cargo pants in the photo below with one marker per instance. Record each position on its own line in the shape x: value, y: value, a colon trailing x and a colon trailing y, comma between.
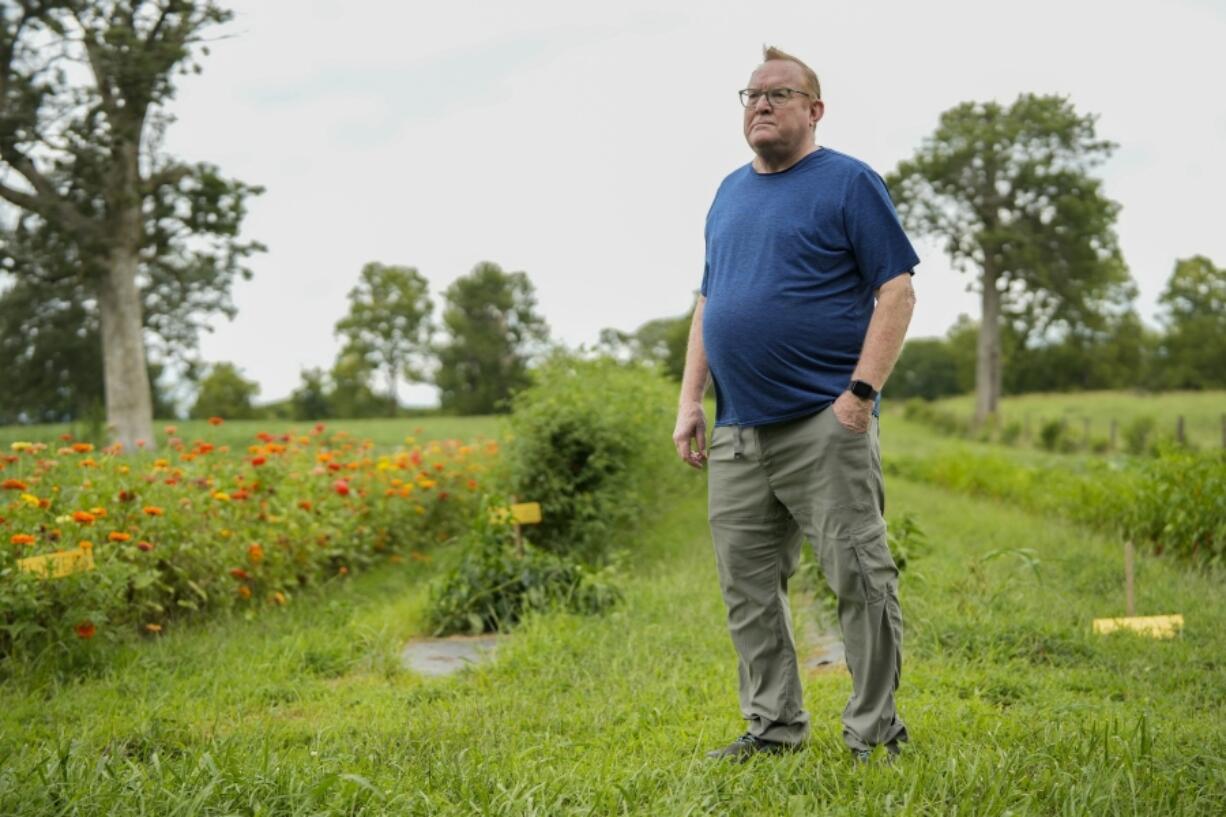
x: 769, y: 487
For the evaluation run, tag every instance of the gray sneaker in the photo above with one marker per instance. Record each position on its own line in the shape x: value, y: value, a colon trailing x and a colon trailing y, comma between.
x: 746, y: 746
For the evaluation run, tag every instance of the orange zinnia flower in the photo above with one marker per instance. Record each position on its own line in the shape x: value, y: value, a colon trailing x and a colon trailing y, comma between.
x: 305, y: 504
x: 153, y: 510
x: 118, y: 536
x: 82, y: 448
x: 153, y: 628
x: 278, y: 597
x: 98, y: 512
x: 82, y: 517
x: 13, y: 485
x: 215, y: 421
x: 21, y: 539
x: 86, y: 629
x: 255, y: 553
x: 244, y: 591
x: 239, y: 573
x: 145, y: 546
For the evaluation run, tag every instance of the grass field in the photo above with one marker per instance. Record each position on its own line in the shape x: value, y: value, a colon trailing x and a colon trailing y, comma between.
x: 1013, y: 706
x: 1203, y: 411
x: 385, y: 433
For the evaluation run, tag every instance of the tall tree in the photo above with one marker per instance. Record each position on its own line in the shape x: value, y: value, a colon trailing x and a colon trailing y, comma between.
x: 493, y: 331
x: 352, y: 394
x: 91, y: 192
x: 389, y: 313
x: 1010, y: 191
x: 224, y: 392
x: 1194, y: 314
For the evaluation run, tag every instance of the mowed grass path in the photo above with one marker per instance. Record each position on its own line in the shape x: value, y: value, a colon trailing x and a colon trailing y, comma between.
x: 1014, y: 707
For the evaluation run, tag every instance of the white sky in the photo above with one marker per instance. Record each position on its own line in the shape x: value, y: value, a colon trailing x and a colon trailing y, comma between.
x: 582, y: 143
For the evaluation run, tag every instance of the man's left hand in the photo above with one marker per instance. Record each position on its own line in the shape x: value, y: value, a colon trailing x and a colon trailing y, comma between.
x: 852, y: 412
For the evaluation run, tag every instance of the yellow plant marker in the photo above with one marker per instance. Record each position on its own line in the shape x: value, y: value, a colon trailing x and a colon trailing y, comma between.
x: 526, y: 513
x: 1156, y: 626
x: 58, y: 564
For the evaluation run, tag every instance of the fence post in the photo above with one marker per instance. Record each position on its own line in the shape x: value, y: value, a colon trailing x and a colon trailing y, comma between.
x: 1179, y: 437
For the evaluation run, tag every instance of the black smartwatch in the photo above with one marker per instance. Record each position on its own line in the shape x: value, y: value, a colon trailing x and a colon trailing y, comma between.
x: 863, y: 390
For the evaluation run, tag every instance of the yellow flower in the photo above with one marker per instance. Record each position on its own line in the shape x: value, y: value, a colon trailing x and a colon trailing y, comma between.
x: 30, y: 500
x: 221, y: 496
x: 21, y: 446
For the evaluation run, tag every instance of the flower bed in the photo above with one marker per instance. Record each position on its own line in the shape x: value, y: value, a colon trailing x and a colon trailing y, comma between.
x: 200, y: 527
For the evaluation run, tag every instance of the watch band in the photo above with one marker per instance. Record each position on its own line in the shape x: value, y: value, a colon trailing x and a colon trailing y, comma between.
x: 862, y: 389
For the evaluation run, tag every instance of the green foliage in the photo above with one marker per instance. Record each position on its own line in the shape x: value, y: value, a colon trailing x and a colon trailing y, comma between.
x: 662, y: 341
x: 1175, y: 501
x: 1193, y: 353
x: 310, y: 401
x: 906, y: 540
x: 99, y: 201
x: 352, y: 391
x: 389, y: 316
x: 1010, y: 192
x: 498, y: 582
x: 590, y: 442
x: 224, y: 392
x: 1054, y: 436
x: 493, y: 331
x: 1138, y: 434
x: 926, y: 368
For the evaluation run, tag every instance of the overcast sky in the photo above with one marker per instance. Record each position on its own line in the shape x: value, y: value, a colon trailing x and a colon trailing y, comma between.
x: 582, y: 142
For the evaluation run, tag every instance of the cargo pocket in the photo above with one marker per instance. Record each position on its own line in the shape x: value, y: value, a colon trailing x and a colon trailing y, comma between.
x: 878, y: 573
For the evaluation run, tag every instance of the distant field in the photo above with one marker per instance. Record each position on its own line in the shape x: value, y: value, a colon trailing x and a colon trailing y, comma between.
x: 1202, y: 411
x: 384, y: 432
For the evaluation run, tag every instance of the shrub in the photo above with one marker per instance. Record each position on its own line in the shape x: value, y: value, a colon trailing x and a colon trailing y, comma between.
x: 1137, y: 435
x: 498, y: 581
x: 591, y: 442
x: 1053, y: 435
x: 1011, y: 432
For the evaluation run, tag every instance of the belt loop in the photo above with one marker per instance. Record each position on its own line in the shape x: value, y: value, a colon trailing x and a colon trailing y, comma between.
x: 737, y: 448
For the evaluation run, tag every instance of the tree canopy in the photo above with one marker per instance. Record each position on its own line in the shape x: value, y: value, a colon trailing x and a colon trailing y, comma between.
x: 1010, y: 190
x: 389, y: 315
x: 89, y: 191
x: 493, y: 330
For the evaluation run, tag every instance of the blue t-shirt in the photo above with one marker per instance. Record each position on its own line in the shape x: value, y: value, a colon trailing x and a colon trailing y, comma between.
x: 792, y: 262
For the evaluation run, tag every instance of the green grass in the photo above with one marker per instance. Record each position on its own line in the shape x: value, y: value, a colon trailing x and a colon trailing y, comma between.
x: 1202, y: 411
x: 1014, y: 707
x: 384, y: 432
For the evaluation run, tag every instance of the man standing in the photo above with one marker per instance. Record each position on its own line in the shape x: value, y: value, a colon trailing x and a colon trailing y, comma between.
x: 799, y: 244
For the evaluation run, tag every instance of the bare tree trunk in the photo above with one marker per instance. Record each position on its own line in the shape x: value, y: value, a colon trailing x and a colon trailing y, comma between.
x: 129, y: 402
x: 987, y: 363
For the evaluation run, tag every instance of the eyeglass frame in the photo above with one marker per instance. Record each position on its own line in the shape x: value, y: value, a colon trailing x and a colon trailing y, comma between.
x: 747, y: 104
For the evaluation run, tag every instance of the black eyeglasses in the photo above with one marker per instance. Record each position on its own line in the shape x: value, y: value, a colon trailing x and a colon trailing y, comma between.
x: 776, y: 96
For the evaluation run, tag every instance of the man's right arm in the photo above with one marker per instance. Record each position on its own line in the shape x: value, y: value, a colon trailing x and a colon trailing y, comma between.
x: 690, y: 434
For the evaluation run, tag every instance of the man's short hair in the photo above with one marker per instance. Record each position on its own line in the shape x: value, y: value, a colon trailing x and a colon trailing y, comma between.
x: 769, y: 52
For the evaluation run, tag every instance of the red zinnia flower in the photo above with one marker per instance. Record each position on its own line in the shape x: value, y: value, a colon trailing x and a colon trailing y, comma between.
x: 86, y: 629
x: 13, y: 485
x: 341, y: 487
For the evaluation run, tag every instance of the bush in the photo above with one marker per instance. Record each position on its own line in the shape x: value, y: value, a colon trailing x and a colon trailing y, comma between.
x: 1137, y: 435
x: 1053, y: 435
x: 1011, y: 432
x: 591, y: 442
x: 1175, y: 502
x: 498, y: 581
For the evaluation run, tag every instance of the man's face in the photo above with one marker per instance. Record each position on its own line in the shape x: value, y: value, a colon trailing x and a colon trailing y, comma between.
x: 780, y: 130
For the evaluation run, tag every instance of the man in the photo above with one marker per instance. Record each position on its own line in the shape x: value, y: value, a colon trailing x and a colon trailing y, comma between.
x: 799, y: 243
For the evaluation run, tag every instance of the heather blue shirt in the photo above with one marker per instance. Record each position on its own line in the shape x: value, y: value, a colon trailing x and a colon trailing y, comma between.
x: 792, y: 262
